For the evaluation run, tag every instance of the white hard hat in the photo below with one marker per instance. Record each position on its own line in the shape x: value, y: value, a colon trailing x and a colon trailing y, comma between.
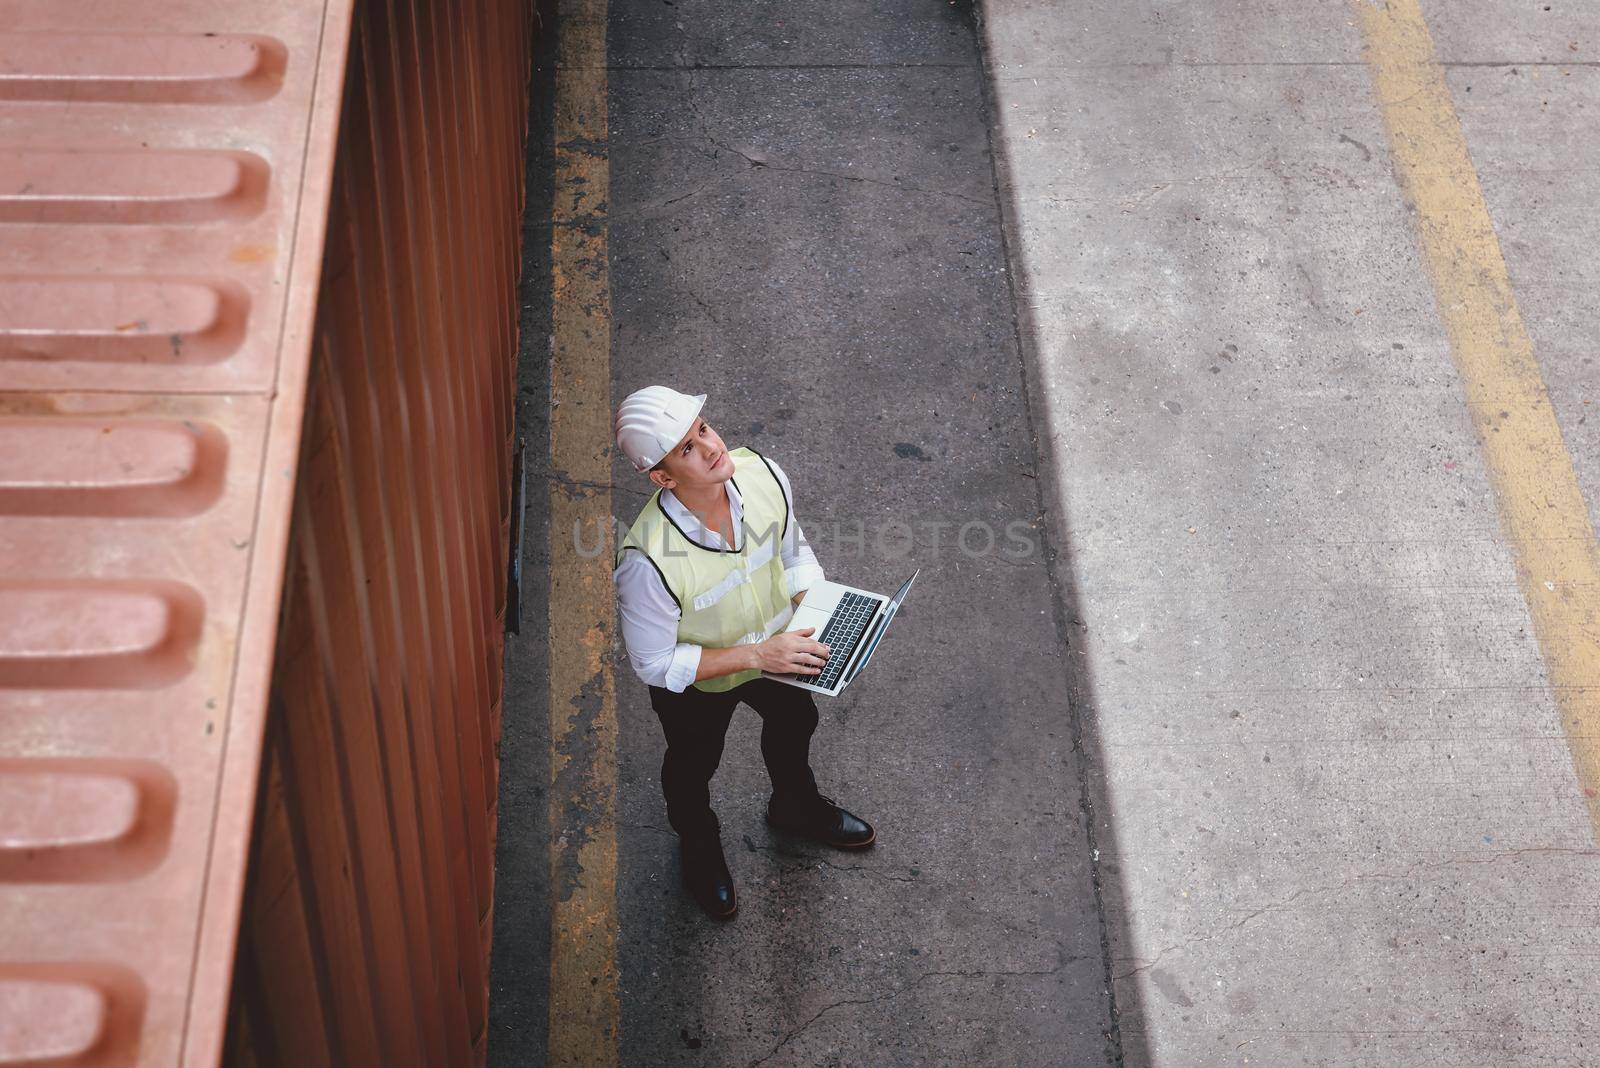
x: 652, y: 420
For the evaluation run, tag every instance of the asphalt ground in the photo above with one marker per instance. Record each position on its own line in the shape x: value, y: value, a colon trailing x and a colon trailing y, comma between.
x: 520, y: 953
x: 805, y: 227
x: 1273, y: 327
x: 803, y: 223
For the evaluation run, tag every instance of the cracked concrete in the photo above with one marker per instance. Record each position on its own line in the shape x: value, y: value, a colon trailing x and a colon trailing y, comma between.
x: 891, y: 995
x: 572, y: 785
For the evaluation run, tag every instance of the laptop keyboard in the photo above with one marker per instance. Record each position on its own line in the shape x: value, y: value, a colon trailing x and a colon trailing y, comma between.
x: 843, y: 631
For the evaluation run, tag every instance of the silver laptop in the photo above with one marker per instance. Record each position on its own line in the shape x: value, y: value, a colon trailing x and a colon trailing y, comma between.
x: 850, y: 622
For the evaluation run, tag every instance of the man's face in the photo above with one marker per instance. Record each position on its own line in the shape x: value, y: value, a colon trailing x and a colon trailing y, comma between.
x: 699, y: 459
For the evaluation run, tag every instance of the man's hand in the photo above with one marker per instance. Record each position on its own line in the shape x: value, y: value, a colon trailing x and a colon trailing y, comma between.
x: 792, y: 653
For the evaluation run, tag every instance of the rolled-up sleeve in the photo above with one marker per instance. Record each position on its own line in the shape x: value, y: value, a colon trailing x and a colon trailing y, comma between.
x: 801, y: 571
x: 650, y: 626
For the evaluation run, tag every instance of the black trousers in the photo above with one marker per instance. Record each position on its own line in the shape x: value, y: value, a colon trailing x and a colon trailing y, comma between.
x: 695, y: 723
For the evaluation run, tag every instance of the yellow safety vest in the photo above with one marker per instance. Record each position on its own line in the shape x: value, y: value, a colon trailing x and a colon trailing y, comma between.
x: 725, y: 597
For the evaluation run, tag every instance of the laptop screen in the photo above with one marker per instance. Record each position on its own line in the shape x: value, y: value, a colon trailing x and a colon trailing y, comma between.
x: 888, y: 617
x: 900, y: 594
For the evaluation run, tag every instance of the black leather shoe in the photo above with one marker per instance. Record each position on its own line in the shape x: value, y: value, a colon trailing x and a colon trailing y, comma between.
x: 821, y: 820
x: 706, y: 876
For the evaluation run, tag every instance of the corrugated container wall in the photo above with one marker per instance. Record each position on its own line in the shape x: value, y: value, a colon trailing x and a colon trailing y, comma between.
x: 367, y: 917
x: 257, y: 340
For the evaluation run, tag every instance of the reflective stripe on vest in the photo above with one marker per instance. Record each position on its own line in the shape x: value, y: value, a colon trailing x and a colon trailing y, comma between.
x: 758, y: 559
x: 774, y: 625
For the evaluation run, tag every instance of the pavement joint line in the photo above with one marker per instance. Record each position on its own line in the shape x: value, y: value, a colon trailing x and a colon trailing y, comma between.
x: 1541, y: 506
x: 584, y: 1009
x: 788, y: 66
x: 1049, y: 521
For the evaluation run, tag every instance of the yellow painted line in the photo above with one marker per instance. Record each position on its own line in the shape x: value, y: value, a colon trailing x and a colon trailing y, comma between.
x: 1542, y: 510
x: 583, y: 707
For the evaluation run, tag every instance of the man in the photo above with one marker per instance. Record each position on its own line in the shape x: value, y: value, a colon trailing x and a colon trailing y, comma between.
x: 707, y: 578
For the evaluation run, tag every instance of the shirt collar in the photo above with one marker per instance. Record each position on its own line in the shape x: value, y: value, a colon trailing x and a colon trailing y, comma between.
x: 697, y: 531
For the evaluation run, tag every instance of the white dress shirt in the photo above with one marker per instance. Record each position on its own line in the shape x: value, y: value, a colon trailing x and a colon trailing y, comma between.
x: 650, y: 615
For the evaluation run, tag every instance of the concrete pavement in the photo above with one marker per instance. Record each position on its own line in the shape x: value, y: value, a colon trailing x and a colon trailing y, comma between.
x: 1344, y: 824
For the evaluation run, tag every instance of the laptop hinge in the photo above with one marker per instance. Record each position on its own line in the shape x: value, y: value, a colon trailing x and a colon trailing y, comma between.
x: 850, y: 669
